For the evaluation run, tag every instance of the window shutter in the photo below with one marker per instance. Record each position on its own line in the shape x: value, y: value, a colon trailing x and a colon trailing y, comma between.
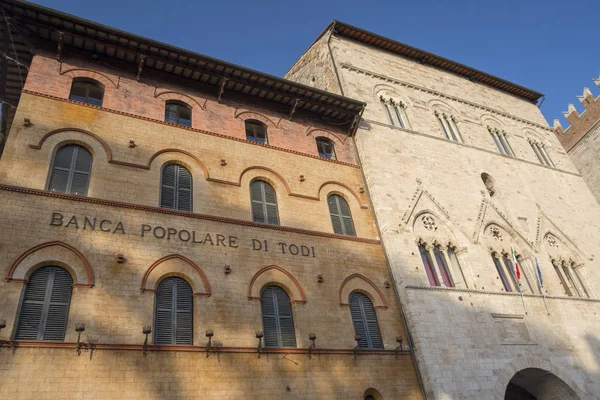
x: 278, y: 322
x: 271, y: 204
x: 45, y: 307
x: 71, y: 170
x: 341, y: 219
x: 365, y: 321
x: 264, y: 203
x: 167, y: 194
x: 174, y: 312
x: 184, y: 193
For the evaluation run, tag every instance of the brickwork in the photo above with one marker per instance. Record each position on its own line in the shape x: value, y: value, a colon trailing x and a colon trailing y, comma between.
x: 581, y: 138
x: 118, y: 245
x: 471, y: 339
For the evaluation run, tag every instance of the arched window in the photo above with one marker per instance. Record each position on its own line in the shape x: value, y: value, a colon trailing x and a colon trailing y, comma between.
x: 89, y: 91
x: 45, y: 308
x: 365, y: 321
x: 341, y: 219
x: 71, y: 170
x: 325, y: 148
x: 540, y: 152
x: 173, y: 316
x: 504, y: 271
x: 264, y: 203
x: 397, y: 109
x: 439, y: 254
x: 177, y: 112
x: 256, y: 132
x: 176, y: 188
x: 278, y: 322
x: 449, y: 127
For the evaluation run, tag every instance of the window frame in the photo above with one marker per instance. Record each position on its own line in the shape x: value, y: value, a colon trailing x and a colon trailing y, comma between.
x: 370, y: 337
x: 46, y: 303
x: 178, y: 120
x: 498, y: 263
x: 88, y: 82
x: 176, y: 188
x: 174, y: 312
x: 255, y: 124
x: 275, y: 289
x: 342, y: 218
x: 71, y: 170
x: 264, y: 203
x: 322, y: 141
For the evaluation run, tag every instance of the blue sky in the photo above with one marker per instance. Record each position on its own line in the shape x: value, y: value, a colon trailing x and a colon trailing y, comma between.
x: 550, y: 46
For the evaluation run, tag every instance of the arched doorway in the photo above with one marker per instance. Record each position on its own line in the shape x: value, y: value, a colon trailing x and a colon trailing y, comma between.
x: 538, y: 384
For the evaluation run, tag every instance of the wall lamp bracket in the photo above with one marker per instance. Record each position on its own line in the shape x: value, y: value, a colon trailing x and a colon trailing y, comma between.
x: 399, y: 348
x: 311, y: 349
x: 259, y: 336
x: 79, y: 327
x: 209, y: 346
x: 357, y: 339
x: 146, y: 331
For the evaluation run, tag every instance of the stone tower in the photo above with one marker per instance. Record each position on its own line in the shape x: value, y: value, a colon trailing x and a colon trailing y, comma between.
x: 581, y: 139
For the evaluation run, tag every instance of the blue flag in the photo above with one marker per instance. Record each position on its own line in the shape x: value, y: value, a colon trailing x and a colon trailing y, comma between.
x: 539, y: 272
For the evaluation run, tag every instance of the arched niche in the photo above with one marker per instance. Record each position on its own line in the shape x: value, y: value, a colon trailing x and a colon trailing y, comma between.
x: 52, y: 253
x: 180, y: 266
x: 362, y: 284
x: 276, y: 275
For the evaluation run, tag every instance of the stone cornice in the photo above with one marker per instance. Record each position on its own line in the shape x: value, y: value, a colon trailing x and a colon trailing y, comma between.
x: 470, y: 146
x: 202, y: 131
x: 443, y: 95
x: 194, y: 349
x: 111, y: 203
x: 515, y: 294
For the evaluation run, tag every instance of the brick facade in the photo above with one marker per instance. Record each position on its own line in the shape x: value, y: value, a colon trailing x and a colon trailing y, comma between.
x: 581, y: 138
x: 118, y: 244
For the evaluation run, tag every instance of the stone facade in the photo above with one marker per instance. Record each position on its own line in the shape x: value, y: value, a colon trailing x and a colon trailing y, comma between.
x: 472, y: 338
x: 118, y: 244
x: 581, y: 139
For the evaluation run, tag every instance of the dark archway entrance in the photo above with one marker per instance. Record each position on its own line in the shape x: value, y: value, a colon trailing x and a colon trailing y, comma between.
x: 538, y: 384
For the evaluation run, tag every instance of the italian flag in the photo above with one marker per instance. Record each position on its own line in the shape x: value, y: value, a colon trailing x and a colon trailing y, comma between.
x: 516, y: 263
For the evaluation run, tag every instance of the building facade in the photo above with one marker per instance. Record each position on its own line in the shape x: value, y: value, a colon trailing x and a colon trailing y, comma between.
x: 463, y: 172
x: 581, y: 139
x: 174, y: 226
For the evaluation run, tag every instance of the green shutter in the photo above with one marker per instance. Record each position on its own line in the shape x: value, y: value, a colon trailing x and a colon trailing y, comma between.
x: 341, y: 219
x: 71, y: 170
x: 264, y: 203
x: 365, y: 321
x: 176, y: 188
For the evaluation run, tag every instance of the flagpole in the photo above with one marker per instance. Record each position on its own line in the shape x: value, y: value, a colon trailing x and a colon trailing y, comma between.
x: 517, y: 275
x: 538, y: 274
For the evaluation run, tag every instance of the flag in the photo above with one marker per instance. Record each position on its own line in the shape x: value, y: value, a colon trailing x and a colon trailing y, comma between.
x: 516, y: 263
x: 539, y: 272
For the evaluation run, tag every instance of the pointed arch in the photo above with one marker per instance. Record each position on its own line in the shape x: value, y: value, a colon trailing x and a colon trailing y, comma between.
x: 490, y: 120
x: 52, y: 252
x: 180, y: 266
x: 276, y: 275
x: 360, y: 283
